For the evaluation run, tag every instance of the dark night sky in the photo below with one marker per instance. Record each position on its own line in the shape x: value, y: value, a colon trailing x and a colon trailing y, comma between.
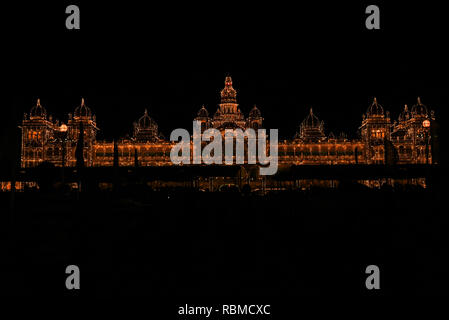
x: 173, y: 59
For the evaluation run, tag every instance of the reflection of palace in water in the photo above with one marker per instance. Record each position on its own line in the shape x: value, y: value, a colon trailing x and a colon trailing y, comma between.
x: 381, y: 141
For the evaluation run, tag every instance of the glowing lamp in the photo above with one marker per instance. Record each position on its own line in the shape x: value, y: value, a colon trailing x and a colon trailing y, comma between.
x: 63, y: 128
x: 426, y: 123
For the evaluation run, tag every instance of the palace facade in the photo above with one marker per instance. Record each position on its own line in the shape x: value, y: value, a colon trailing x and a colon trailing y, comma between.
x: 406, y: 140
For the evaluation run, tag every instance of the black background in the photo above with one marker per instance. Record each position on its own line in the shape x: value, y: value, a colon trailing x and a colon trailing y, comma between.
x: 171, y: 58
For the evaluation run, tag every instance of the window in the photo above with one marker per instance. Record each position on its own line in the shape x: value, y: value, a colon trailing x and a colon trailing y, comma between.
x: 379, y: 134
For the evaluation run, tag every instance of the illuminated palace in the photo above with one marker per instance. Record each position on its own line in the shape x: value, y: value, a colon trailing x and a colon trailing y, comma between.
x: 381, y: 140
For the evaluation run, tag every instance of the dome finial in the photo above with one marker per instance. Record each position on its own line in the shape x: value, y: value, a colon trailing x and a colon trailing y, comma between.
x: 311, y: 111
x: 419, y: 101
x: 82, y: 101
x: 228, y: 94
x: 375, y: 100
x: 405, y: 108
x: 146, y: 111
x: 38, y: 102
x: 228, y: 80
